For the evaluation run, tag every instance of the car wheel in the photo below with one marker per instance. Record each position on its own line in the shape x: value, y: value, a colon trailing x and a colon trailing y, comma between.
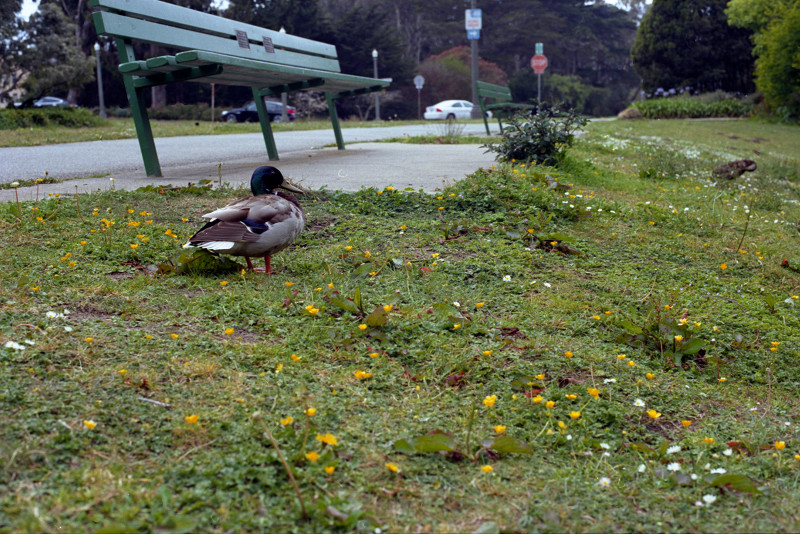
x: 451, y: 117
x: 231, y: 118
x: 277, y: 119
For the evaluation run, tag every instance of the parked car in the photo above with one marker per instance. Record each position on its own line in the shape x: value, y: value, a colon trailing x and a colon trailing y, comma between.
x: 449, y: 109
x: 248, y: 112
x: 52, y: 102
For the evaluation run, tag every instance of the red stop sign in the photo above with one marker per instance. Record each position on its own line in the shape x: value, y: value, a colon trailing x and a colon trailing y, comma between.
x: 539, y: 63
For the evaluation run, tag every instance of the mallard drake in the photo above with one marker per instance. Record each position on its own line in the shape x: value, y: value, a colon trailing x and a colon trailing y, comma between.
x: 256, y: 226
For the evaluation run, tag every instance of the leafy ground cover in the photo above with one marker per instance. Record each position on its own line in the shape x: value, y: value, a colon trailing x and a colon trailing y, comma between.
x: 607, y: 345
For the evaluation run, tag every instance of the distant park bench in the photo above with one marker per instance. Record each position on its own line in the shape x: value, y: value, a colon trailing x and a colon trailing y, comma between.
x: 212, y: 49
x: 499, y: 103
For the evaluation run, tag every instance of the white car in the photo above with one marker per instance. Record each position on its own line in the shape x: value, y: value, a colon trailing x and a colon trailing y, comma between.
x: 449, y: 109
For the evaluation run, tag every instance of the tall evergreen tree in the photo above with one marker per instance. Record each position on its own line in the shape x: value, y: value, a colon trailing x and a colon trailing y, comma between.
x: 689, y: 44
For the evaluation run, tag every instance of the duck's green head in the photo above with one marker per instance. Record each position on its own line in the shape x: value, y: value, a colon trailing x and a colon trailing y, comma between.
x: 266, y: 179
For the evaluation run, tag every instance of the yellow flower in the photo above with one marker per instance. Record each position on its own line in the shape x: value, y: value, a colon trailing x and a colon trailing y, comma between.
x: 312, y: 456
x: 596, y: 317
x: 723, y: 266
x: 361, y: 375
x: 574, y: 415
x: 89, y: 424
x: 311, y: 411
x: 387, y: 307
x: 678, y: 338
x: 286, y: 421
x: 479, y: 304
x: 312, y: 310
x: 653, y: 414
x: 708, y: 441
x: 373, y: 354
x: 499, y: 429
x: 329, y: 469
x: 775, y: 343
x: 229, y: 331
x: 122, y: 371
x: 367, y: 254
x: 540, y: 377
x: 174, y: 336
x: 348, y: 248
x: 594, y: 392
x: 393, y: 467
x: 191, y: 419
x: 686, y: 423
x: 223, y: 283
x: 489, y: 401
x: 403, y: 227
x: 550, y: 404
x: 295, y: 358
x: 456, y: 326
x: 89, y: 339
x: 435, y: 255
x: 487, y: 352
x: 571, y: 396
x: 568, y: 354
x: 780, y: 445
x: 362, y: 327
x: 650, y: 376
x: 537, y: 399
x: 487, y: 468
x: 797, y: 457
x: 631, y: 363
x: 279, y: 368
x: 562, y: 425
x: 289, y: 284
x: 328, y: 438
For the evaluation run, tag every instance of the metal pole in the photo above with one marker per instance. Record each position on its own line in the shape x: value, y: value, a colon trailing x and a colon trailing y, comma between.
x: 476, y: 113
x: 539, y: 94
x: 100, y: 82
x: 377, y: 95
x: 284, y: 113
x: 419, y: 104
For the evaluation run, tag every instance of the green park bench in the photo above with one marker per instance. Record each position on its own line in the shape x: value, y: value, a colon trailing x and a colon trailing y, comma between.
x: 497, y: 99
x: 212, y: 49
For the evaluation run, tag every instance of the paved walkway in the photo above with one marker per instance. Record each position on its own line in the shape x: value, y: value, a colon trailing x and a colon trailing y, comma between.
x: 190, y: 159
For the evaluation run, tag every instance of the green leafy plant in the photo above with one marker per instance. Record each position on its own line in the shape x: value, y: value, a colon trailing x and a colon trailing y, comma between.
x: 541, y: 137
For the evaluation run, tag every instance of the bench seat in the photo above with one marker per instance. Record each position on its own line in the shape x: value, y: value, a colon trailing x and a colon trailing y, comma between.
x: 497, y: 98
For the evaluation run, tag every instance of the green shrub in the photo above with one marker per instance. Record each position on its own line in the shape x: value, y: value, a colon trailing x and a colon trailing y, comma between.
x: 12, y: 118
x: 702, y: 106
x: 541, y: 137
x: 184, y: 112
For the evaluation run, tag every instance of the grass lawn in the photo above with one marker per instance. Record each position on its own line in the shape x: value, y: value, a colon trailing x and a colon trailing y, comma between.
x: 608, y: 345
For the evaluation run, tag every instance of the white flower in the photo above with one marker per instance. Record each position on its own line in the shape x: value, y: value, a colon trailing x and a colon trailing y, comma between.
x: 674, y: 466
x: 727, y: 452
x: 14, y: 184
x: 13, y: 345
x: 674, y: 449
x: 638, y: 402
x: 606, y: 454
x: 698, y: 503
x: 67, y: 329
x: 507, y: 278
x: 605, y: 446
x: 569, y: 437
x: 610, y: 381
x: 694, y: 476
x: 29, y: 342
x: 51, y: 314
x: 545, y: 284
x: 456, y: 304
x: 641, y: 468
x: 709, y: 498
x: 605, y: 482
x: 718, y: 471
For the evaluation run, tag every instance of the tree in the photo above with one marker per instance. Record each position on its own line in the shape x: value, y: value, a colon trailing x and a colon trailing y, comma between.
x: 9, y: 51
x: 50, y: 55
x: 689, y: 44
x: 448, y: 77
x: 776, y: 27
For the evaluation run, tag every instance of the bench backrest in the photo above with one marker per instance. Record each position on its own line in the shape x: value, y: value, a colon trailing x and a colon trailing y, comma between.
x: 489, y: 90
x: 172, y: 26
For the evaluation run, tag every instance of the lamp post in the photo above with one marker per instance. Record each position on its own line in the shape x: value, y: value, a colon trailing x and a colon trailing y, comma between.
x: 100, y: 82
x: 377, y: 96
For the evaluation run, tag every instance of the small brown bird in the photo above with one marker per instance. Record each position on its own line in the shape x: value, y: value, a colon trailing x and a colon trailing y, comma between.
x: 256, y: 226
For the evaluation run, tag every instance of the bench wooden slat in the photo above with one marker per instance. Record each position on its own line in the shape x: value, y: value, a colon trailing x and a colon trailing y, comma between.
x: 181, y: 17
x: 183, y: 39
x: 333, y: 81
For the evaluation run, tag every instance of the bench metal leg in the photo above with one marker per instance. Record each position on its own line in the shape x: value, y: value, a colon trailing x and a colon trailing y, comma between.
x: 143, y: 131
x: 266, y: 127
x: 337, y: 129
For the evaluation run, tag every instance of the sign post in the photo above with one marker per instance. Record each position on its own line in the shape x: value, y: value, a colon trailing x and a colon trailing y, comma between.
x: 473, y: 22
x: 419, y: 81
x: 539, y: 63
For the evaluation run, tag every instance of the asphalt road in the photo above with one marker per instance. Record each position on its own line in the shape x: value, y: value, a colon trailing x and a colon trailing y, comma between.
x: 71, y: 160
